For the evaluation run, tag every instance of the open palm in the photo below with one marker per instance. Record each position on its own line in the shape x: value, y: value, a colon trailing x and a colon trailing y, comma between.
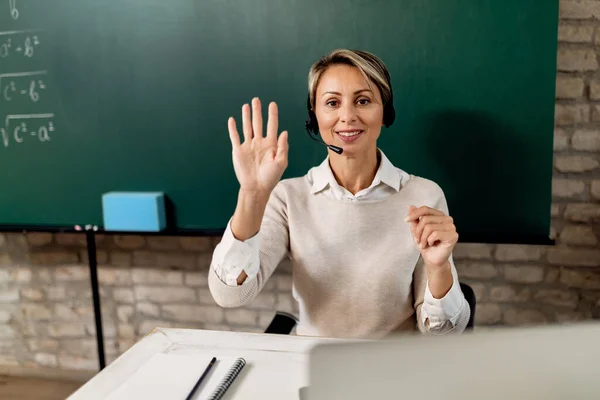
x: 260, y: 161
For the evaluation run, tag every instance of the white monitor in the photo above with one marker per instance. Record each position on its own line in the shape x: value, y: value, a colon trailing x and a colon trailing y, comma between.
x: 549, y: 362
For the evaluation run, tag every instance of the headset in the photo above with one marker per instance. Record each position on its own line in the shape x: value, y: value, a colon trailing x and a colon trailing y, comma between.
x: 312, y: 125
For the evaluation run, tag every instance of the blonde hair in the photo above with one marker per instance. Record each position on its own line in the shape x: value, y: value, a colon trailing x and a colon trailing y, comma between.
x: 373, y: 69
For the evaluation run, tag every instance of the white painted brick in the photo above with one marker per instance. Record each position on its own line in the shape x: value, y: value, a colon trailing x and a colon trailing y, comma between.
x: 575, y: 33
x: 21, y: 275
x: 574, y: 59
x: 148, y: 309
x: 264, y: 300
x: 114, y: 276
x: 524, y: 317
x: 476, y: 270
x: 7, y: 332
x: 284, y: 283
x: 165, y: 294
x: 55, y: 293
x: 510, y: 252
x: 45, y: 275
x: 126, y: 331
x: 158, y: 277
x: 575, y: 163
x: 10, y: 295
x: 524, y: 273
x: 125, y: 313
x: 39, y: 239
x: 123, y: 295
x: 205, y: 297
x: 574, y: 257
x: 582, y: 212
x: 474, y: 251
x: 240, y: 316
x: 568, y: 114
x: 595, y: 190
x: 5, y: 316
x: 265, y: 318
x: 578, y: 235
x: 579, y: 9
x: 47, y: 345
x: 195, y: 243
x: 129, y: 242
x: 196, y: 279
x: 32, y: 294
x: 586, y: 140
x: 77, y: 363
x: 66, y: 330
x: 36, y: 312
x: 193, y: 313
x: 46, y: 359
x: 561, y: 140
x: 567, y: 188
x: 74, y: 273
x: 555, y: 297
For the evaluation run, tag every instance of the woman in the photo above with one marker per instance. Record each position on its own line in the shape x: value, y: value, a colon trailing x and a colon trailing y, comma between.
x: 370, y: 244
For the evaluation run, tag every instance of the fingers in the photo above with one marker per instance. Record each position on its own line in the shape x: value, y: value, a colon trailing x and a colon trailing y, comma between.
x: 416, y: 213
x: 429, y: 229
x: 282, y: 148
x: 428, y: 226
x: 273, y: 122
x: 428, y: 220
x: 257, y: 121
x: 234, y: 136
x: 246, y: 124
x: 443, y: 237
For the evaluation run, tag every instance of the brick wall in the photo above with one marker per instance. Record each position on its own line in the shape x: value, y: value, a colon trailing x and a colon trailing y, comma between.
x: 46, y: 315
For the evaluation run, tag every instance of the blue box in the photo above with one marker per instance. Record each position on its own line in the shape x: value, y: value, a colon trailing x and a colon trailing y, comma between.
x: 134, y: 211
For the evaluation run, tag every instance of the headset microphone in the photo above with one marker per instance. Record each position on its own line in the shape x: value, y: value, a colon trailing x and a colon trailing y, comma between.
x: 338, y: 150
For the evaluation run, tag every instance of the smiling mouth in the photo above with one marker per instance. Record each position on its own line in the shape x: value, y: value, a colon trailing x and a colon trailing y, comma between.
x: 350, y: 136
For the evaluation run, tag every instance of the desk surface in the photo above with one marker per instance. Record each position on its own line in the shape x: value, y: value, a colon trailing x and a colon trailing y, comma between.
x: 277, y: 364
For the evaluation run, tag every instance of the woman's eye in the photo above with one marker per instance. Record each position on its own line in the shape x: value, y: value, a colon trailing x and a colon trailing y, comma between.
x: 332, y: 103
x: 363, y: 102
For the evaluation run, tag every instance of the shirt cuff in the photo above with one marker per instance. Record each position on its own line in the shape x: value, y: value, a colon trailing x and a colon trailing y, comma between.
x: 237, y: 256
x: 445, y: 309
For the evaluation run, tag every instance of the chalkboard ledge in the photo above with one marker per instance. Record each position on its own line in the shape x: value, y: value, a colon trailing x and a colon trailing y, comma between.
x: 464, y: 237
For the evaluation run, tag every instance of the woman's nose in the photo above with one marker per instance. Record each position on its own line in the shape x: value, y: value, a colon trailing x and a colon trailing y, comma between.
x: 348, y: 113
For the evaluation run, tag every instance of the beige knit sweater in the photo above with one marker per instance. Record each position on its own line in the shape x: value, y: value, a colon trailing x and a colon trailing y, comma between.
x: 326, y: 239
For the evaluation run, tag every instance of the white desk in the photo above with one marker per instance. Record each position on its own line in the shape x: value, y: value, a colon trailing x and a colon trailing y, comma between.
x: 277, y: 365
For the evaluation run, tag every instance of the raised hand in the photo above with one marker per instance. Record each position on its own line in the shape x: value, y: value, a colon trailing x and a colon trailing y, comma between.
x: 259, y: 162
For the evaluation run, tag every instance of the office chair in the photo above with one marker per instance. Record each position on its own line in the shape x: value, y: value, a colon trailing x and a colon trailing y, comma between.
x: 283, y: 322
x: 470, y: 297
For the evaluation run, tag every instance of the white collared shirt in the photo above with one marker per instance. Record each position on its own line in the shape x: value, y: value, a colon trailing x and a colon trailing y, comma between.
x: 232, y: 256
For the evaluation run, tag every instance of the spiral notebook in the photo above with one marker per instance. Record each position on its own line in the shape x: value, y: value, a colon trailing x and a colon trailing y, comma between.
x: 173, y: 376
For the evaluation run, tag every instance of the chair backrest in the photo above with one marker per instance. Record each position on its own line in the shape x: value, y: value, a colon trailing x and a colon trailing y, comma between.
x: 470, y: 297
x: 283, y: 322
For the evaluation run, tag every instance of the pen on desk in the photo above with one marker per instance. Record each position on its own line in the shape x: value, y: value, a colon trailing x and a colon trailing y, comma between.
x: 206, y: 371
x: 228, y: 379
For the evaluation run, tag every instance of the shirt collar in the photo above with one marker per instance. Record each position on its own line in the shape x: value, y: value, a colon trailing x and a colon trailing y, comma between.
x: 387, y: 174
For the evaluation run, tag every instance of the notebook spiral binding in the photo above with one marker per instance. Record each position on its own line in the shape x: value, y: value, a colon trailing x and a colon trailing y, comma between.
x: 228, y: 379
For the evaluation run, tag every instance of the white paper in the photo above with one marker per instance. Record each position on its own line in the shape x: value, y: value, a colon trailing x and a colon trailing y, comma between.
x: 171, y: 376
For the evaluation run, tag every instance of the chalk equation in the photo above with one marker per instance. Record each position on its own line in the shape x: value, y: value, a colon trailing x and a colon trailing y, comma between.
x: 19, y: 43
x: 22, y: 84
x: 14, y: 11
x: 38, y: 127
x: 22, y: 88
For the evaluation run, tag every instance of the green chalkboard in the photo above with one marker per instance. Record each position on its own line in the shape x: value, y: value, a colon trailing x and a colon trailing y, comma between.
x: 135, y: 94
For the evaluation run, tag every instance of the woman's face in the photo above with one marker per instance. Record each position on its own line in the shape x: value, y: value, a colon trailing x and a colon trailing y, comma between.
x: 350, y: 115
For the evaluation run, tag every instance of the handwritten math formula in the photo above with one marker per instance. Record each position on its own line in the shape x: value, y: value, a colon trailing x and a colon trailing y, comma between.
x: 24, y: 88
